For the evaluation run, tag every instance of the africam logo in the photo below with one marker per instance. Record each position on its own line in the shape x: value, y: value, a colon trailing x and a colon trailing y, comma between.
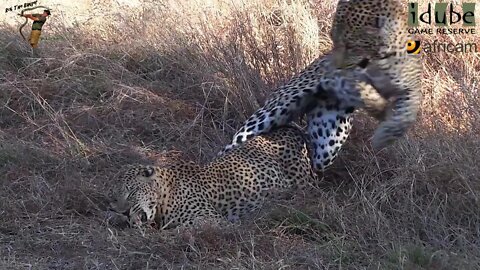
x: 413, y: 46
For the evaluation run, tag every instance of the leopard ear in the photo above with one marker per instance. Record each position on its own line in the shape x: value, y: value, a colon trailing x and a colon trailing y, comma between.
x: 148, y: 171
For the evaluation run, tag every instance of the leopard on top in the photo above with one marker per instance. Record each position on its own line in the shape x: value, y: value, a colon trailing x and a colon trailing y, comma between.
x: 228, y: 187
x: 367, y: 66
x: 376, y: 32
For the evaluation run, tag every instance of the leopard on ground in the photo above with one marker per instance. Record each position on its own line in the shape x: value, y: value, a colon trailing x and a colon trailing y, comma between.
x: 367, y: 67
x: 227, y: 188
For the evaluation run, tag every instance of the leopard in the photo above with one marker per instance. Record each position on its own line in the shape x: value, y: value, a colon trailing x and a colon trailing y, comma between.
x: 377, y: 32
x: 221, y: 191
x: 368, y: 68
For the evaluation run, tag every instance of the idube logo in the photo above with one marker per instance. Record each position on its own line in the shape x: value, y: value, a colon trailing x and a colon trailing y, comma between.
x: 451, y: 21
x: 441, y: 19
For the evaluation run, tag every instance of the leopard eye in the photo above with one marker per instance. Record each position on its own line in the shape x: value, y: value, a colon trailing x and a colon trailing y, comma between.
x: 143, y: 217
x: 379, y: 22
x: 364, y: 63
x: 148, y: 171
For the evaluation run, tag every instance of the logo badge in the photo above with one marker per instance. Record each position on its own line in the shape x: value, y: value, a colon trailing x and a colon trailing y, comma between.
x: 413, y: 46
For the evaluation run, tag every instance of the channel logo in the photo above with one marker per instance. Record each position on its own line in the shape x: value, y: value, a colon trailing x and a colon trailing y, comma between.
x: 413, y: 46
x: 441, y: 15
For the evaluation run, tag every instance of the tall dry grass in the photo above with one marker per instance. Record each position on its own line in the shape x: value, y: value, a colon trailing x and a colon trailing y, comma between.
x: 174, y: 80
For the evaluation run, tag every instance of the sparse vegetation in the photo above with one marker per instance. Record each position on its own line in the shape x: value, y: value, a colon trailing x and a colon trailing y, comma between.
x: 175, y: 81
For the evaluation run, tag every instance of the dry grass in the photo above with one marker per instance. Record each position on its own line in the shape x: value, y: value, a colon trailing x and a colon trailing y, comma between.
x: 150, y: 88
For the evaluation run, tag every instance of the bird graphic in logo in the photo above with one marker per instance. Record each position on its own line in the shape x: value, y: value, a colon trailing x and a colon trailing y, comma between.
x: 413, y: 46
